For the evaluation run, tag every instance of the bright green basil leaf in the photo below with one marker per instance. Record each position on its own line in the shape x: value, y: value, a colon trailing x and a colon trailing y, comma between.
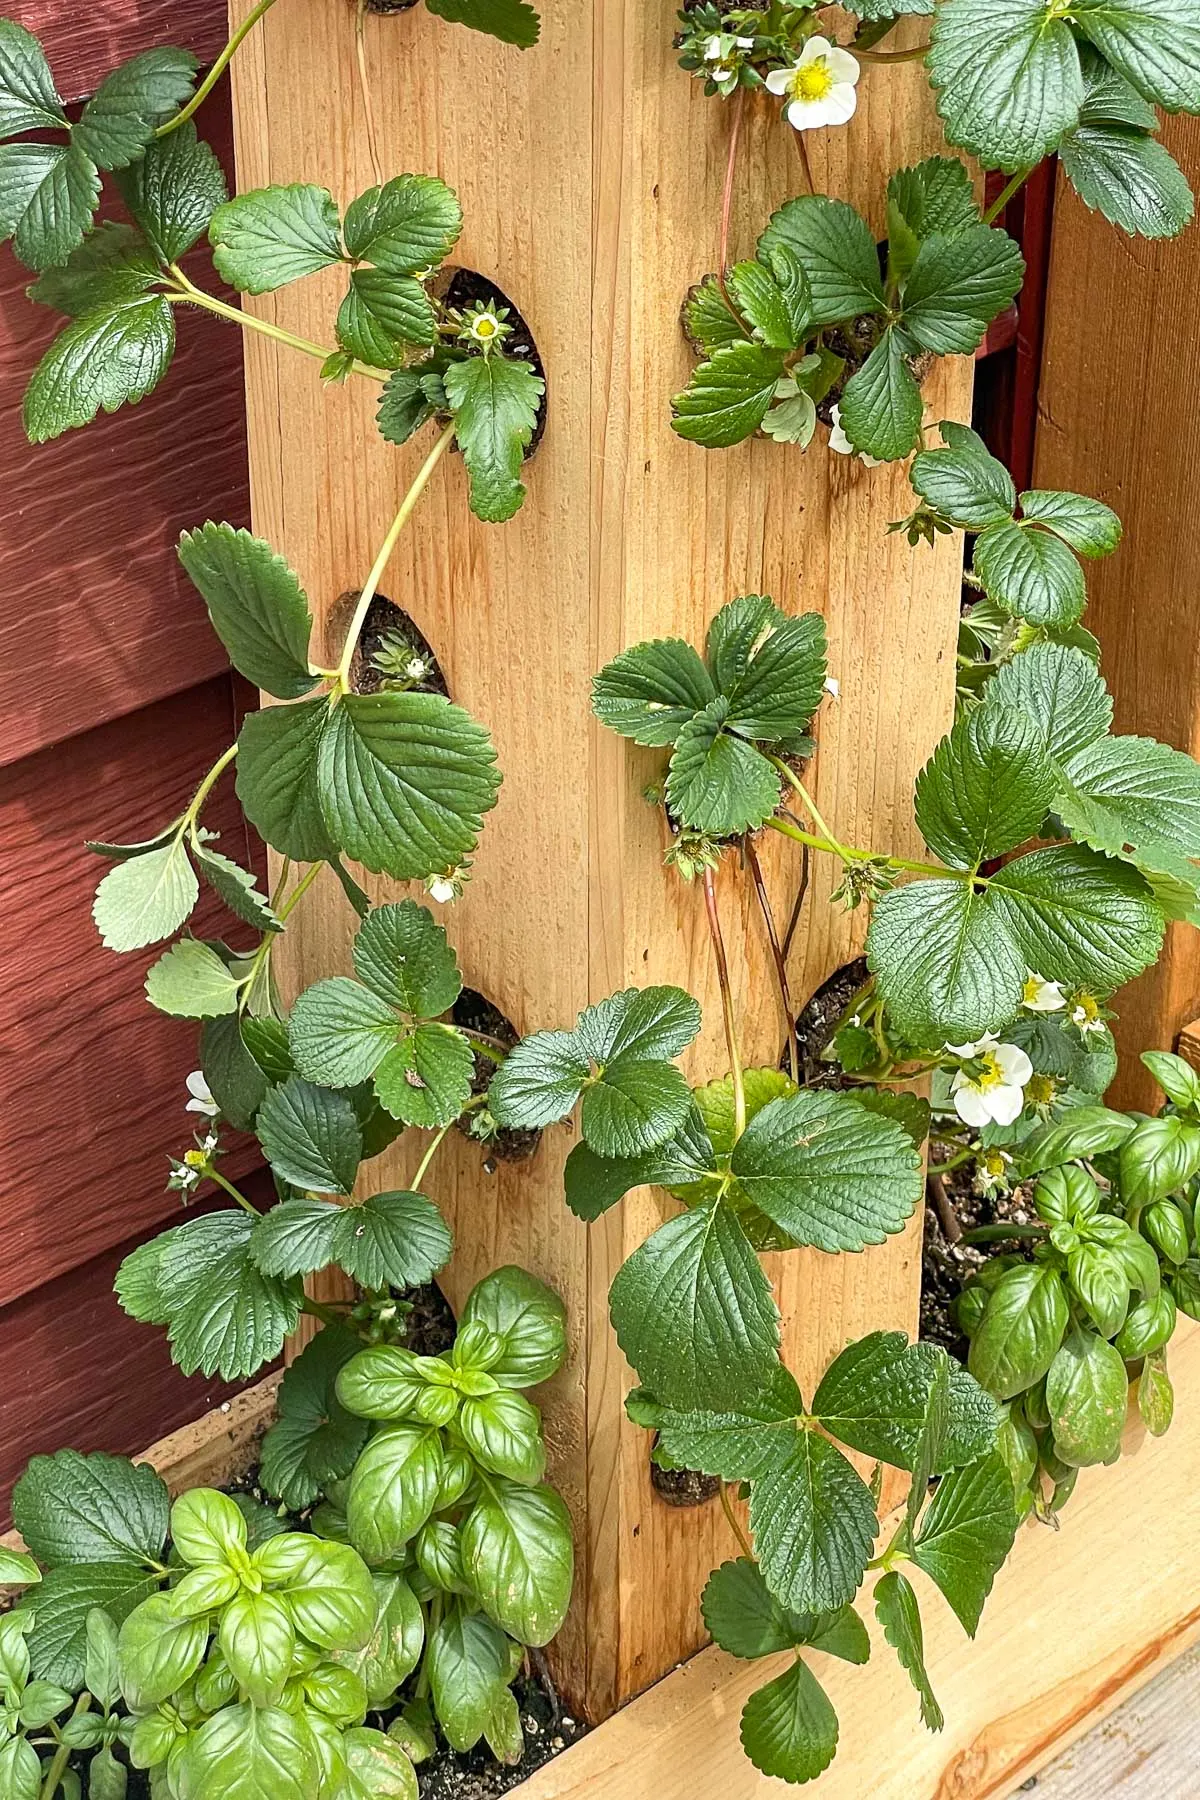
x: 146, y: 898
x: 257, y: 606
x: 393, y: 1489
x: 325, y: 1588
x: 392, y: 1651
x: 468, y: 1663
x: 727, y: 397
x: 173, y: 191
x: 376, y: 1767
x: 1158, y: 1158
x: 157, y: 1652
x: 898, y: 1613
x: 1021, y: 1330
x: 789, y: 1728
x: 264, y: 239
x: 1087, y: 1393
x: 693, y: 1311
x: 527, y: 1318
x: 381, y: 1382
x: 985, y: 789
x: 245, y: 1752
x: 650, y: 692
x: 310, y: 1136
x: 1177, y: 1078
x: 99, y: 363
x: 17, y: 1569
x: 503, y: 1432
x: 519, y: 1559
x: 258, y: 1641
x: 1085, y: 1131
x: 828, y: 1172
x: 405, y: 779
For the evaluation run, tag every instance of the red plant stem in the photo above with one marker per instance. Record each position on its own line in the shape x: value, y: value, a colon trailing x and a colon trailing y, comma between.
x: 735, y: 131
x: 735, y: 1061
x: 764, y: 902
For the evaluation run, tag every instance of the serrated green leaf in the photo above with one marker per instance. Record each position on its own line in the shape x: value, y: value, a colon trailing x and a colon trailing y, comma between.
x: 958, y: 285
x: 693, y: 1311
x: 595, y: 1183
x: 828, y: 1172
x: 173, y: 190
x: 256, y: 604
x: 145, y: 898
x: 775, y: 696
x: 985, y: 789
x: 66, y: 1596
x: 118, y: 121
x: 1007, y: 79
x: 932, y: 197
x: 836, y: 249
x: 190, y: 981
x: 277, y: 780
x: 225, y: 1316
x: 408, y: 225
x: 383, y: 316
x: 813, y: 1523
x: 1154, y: 44
x: 264, y: 239
x: 964, y: 483
x: 1060, y: 691
x: 881, y: 403
x: 1030, y: 573
x: 707, y: 319
x: 789, y: 1728
x: 966, y: 1534
x: 405, y: 779
x: 650, y: 692
x: 340, y: 1033
x: 1090, y: 527
x: 1134, y: 798
x: 947, y: 968
x: 236, y: 886
x: 743, y: 1616
x: 114, y: 264
x: 900, y: 1616
x: 48, y: 194
x: 512, y: 21
x: 736, y: 1441
x: 426, y: 1079
x: 1093, y: 921
x: 28, y: 98
x: 404, y: 406
x: 494, y: 401
x: 73, y: 1508
x: 314, y: 1439
x: 401, y: 953
x: 100, y: 362
x: 310, y: 1136
x: 234, y: 1078
x: 875, y: 1397
x: 717, y: 782
x: 727, y: 397
x: 1128, y: 177
x: 762, y: 301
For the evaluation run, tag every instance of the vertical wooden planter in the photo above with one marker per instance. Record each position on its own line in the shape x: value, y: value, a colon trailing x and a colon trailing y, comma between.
x: 1119, y: 417
x: 590, y: 173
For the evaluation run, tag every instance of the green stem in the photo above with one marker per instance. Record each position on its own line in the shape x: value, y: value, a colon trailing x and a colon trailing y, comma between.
x: 423, y: 1165
x: 790, y: 776
x: 360, y: 51
x: 889, y: 56
x: 849, y: 854
x: 267, y: 942
x: 298, y: 892
x: 234, y: 1193
x: 735, y: 1524
x: 486, y: 1045
x: 194, y: 296
x: 1006, y: 193
x: 727, y: 1012
x: 777, y: 957
x: 58, y: 1764
x: 207, y: 785
x: 401, y: 519
x: 218, y: 69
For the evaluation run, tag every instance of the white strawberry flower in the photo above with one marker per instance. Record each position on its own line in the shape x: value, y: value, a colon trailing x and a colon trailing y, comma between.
x: 819, y: 87
x: 990, y: 1089
x: 841, y: 443
x: 833, y: 687
x: 1041, y: 996
x: 441, y: 890
x: 201, y: 1100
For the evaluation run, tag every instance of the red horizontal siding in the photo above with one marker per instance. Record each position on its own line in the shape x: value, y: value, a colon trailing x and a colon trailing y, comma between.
x: 92, y: 1092
x: 106, y: 621
x: 85, y: 42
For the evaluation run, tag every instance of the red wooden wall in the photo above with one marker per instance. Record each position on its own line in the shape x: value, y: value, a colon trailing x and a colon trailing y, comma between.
x: 117, y: 698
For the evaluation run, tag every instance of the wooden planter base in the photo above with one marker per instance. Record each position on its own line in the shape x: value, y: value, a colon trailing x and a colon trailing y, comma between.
x: 1079, y: 1618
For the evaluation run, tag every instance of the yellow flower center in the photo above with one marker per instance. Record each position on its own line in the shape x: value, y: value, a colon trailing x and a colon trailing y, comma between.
x: 813, y: 81
x: 1039, y: 1089
x: 1088, y: 1007
x: 195, y: 1159
x: 1031, y: 990
x: 485, y: 326
x: 991, y: 1074
x: 993, y: 1163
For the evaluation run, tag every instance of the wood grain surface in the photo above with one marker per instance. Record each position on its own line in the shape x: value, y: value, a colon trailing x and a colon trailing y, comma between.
x: 1119, y: 418
x: 590, y: 171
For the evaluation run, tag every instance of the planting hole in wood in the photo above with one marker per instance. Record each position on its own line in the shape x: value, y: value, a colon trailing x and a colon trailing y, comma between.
x: 392, y: 649
x: 459, y: 288
x: 493, y: 1032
